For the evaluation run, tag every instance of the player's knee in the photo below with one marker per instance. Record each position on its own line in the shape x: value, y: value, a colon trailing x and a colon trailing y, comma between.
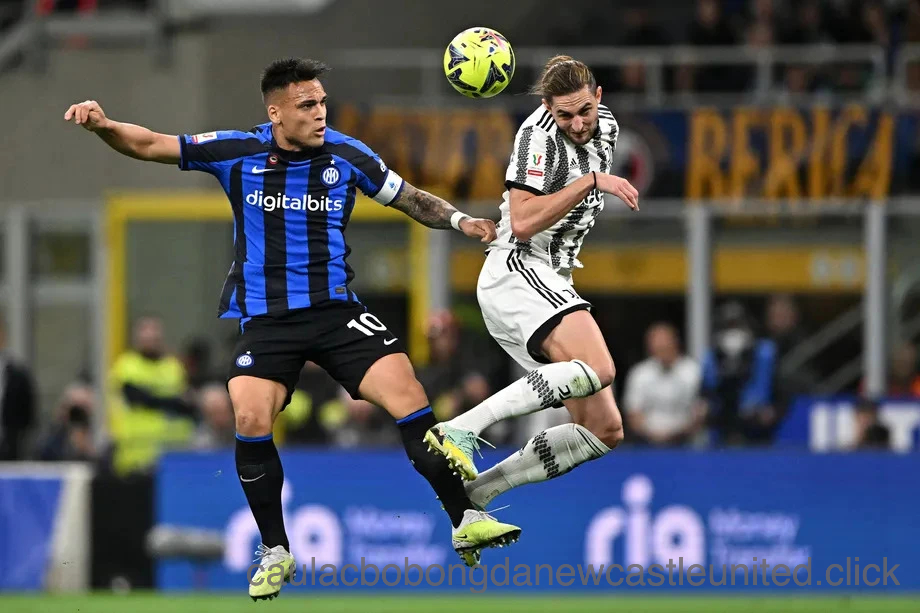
x: 609, y: 431
x: 604, y: 369
x: 414, y: 395
x: 253, y: 420
x: 607, y: 426
x: 255, y: 404
x: 612, y: 434
x: 405, y: 399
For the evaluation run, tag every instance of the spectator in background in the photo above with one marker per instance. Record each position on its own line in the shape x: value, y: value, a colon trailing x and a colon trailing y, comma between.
x: 738, y: 375
x: 366, y: 425
x: 459, y: 376
x: 903, y: 378
x: 784, y: 324
x: 662, y: 393
x: 859, y: 23
x: 762, y: 24
x: 870, y: 432
x: 196, y: 359
x: 218, y: 428
x: 17, y: 404
x: 70, y: 438
x: 150, y: 411
x: 317, y: 408
x: 874, y: 26
x: 452, y: 379
x: 807, y: 25
x: 639, y: 30
x: 786, y: 331
x: 709, y: 29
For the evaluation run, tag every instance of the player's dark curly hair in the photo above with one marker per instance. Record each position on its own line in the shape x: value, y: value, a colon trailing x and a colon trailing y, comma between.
x: 281, y: 73
x: 563, y: 75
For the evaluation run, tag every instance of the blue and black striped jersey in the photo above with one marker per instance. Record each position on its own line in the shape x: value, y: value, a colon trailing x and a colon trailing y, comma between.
x: 290, y: 210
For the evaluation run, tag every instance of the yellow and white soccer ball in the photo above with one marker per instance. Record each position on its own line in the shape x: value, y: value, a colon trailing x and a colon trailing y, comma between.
x: 479, y: 62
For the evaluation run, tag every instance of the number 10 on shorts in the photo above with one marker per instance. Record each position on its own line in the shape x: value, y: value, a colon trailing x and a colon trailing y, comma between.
x: 368, y: 324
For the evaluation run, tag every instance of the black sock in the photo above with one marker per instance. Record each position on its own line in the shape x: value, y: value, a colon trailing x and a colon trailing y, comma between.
x: 261, y: 475
x: 433, y: 466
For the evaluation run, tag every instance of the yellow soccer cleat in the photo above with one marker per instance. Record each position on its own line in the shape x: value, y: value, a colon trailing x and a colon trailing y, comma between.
x: 276, y: 567
x: 457, y: 446
x: 479, y: 530
x: 470, y: 557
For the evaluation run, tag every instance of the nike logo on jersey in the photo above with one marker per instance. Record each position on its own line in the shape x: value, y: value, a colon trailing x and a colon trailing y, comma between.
x: 251, y: 480
x: 258, y: 171
x: 389, y: 341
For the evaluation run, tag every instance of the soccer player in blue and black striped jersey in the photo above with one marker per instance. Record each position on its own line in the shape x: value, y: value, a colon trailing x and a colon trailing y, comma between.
x: 292, y: 183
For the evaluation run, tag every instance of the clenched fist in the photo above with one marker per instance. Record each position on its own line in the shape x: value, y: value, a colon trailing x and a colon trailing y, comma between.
x: 87, y: 114
x: 483, y: 229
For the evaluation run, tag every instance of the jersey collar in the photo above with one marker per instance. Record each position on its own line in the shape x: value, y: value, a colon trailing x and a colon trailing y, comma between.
x: 296, y: 156
x: 288, y: 155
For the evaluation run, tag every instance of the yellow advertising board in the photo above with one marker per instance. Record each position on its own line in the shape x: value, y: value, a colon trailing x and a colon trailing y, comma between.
x: 785, y: 153
x: 662, y: 269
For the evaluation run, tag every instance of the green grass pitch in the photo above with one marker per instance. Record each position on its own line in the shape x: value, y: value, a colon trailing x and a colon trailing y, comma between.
x: 450, y: 603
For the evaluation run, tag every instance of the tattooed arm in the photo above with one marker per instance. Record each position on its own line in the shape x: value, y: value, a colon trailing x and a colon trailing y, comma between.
x: 434, y: 212
x: 425, y: 208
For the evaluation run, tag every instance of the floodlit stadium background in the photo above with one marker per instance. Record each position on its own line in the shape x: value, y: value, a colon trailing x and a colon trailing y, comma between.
x: 775, y: 148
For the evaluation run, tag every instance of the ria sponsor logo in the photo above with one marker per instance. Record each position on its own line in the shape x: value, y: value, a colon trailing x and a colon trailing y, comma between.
x: 304, y: 203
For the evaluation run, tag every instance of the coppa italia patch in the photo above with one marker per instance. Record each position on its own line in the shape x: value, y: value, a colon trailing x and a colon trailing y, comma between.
x: 535, y: 165
x: 204, y: 137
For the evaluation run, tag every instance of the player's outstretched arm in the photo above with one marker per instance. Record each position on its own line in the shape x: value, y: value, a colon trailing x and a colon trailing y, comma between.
x: 126, y: 138
x: 434, y: 212
x: 532, y: 214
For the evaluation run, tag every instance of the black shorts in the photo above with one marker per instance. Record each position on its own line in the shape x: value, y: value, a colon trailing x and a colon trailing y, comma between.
x: 342, y: 338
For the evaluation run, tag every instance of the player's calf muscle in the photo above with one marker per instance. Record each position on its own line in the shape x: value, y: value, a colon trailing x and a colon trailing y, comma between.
x: 253, y: 421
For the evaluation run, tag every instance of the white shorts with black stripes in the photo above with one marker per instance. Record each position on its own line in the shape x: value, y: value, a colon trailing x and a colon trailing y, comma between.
x: 522, y: 301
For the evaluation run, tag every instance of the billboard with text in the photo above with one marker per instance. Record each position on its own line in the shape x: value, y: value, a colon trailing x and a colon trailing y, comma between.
x: 813, y: 153
x: 633, y: 520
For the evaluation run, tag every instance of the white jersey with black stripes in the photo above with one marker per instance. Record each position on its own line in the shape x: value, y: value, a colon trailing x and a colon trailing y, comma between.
x: 544, y: 161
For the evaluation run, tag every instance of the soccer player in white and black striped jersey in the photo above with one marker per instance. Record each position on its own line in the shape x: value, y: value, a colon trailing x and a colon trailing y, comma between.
x: 558, y: 173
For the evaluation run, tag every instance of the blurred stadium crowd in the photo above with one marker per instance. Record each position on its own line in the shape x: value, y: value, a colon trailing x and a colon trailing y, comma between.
x: 161, y: 400
x: 753, y: 24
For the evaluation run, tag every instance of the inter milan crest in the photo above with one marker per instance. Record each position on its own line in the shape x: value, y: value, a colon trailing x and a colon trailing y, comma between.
x: 330, y: 176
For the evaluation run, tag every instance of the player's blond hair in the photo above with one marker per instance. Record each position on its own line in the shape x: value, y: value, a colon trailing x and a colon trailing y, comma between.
x: 563, y: 75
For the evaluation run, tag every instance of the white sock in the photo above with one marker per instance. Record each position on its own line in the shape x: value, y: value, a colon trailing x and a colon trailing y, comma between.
x: 551, y: 453
x: 542, y: 388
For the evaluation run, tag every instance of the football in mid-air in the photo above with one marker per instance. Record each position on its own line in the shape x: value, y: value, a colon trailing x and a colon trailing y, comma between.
x: 479, y: 62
